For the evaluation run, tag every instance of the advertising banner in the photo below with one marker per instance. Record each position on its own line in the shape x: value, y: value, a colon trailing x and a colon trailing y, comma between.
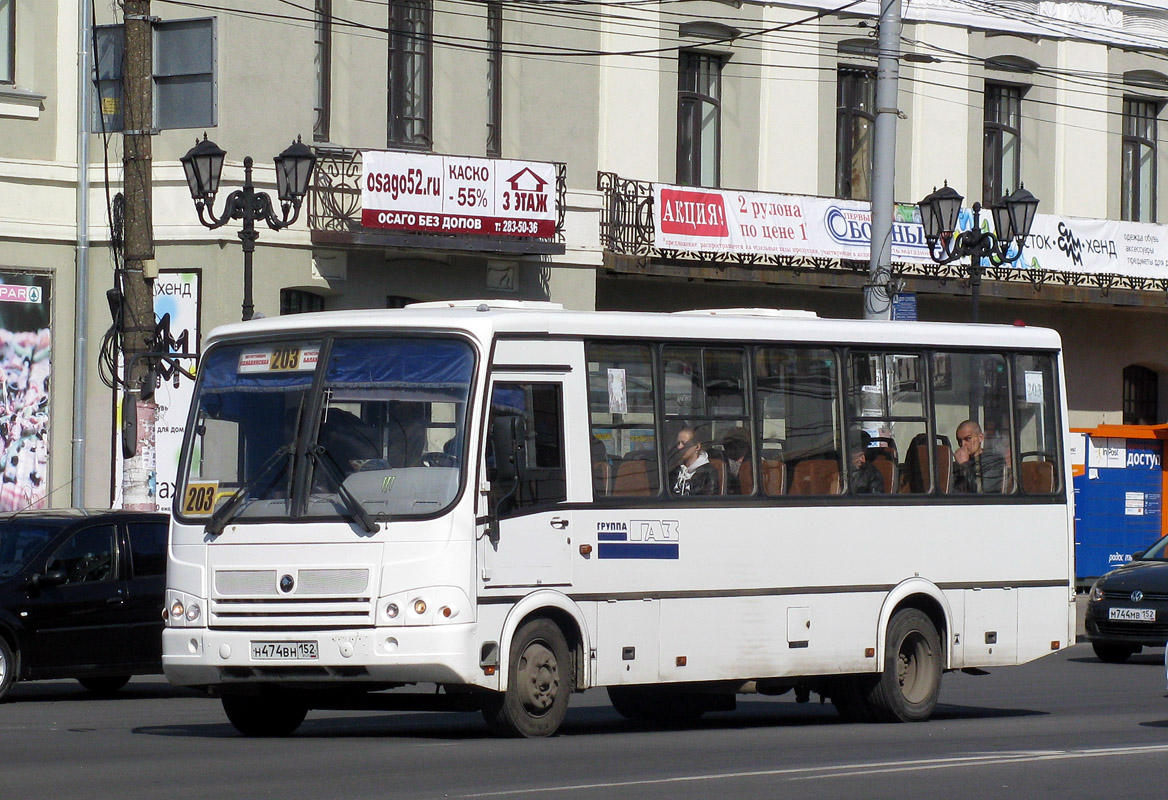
x: 26, y: 357
x: 424, y: 193
x: 176, y: 309
x: 721, y: 221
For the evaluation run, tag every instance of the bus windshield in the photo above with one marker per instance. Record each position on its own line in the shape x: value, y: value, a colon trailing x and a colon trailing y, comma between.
x: 364, y: 427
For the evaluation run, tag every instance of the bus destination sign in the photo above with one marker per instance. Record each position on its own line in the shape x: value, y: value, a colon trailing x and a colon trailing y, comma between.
x: 455, y: 195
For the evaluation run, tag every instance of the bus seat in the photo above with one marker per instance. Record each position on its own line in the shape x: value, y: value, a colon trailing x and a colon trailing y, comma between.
x: 815, y: 476
x: 774, y: 477
x: 745, y: 477
x: 601, y: 478
x: 720, y: 470
x: 888, y: 470
x: 944, y: 454
x: 632, y: 479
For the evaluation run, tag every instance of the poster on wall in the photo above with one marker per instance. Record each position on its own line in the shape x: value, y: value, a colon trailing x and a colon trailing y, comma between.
x: 26, y: 346
x: 176, y: 310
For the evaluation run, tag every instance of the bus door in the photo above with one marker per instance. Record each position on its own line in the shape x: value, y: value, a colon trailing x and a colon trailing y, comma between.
x: 528, y: 467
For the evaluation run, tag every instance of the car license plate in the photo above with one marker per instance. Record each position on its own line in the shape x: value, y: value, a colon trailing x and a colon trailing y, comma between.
x: 283, y: 651
x: 1132, y: 614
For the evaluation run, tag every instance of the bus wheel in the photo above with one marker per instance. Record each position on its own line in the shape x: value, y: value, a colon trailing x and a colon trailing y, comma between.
x: 264, y: 715
x: 907, y: 689
x: 659, y: 704
x: 1113, y: 653
x: 849, y: 694
x: 7, y: 667
x: 539, y: 682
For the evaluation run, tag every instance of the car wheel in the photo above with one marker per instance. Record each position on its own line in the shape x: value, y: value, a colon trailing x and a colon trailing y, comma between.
x: 539, y: 682
x: 104, y: 685
x: 1113, y: 653
x: 8, y: 667
x: 264, y: 715
x: 907, y: 689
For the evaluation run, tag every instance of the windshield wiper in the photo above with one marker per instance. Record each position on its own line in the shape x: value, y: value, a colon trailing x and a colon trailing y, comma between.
x: 320, y: 454
x: 227, y: 511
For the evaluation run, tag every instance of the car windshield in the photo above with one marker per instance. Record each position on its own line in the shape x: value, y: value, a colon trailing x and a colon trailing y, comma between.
x: 378, y: 434
x: 20, y: 541
x: 1157, y: 552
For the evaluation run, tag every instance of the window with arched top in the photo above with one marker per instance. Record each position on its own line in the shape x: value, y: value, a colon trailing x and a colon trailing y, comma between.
x: 1141, y: 394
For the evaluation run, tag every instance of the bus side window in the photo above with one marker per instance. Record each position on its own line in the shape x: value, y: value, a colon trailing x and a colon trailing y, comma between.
x: 541, y: 473
x: 1036, y: 412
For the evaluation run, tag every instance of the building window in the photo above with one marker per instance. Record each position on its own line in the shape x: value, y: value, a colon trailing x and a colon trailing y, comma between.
x: 1141, y: 391
x: 699, y: 119
x: 1138, y: 191
x: 855, y: 130
x: 1001, y: 165
x: 7, y: 41
x: 410, y: 74
x: 322, y: 62
x: 184, y: 75
x: 494, y: 78
x: 298, y: 301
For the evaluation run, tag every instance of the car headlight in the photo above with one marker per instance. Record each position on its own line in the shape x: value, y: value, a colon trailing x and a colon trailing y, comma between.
x: 1096, y: 592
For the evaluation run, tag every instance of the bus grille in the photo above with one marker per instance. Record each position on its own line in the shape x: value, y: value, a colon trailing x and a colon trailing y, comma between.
x: 328, y: 598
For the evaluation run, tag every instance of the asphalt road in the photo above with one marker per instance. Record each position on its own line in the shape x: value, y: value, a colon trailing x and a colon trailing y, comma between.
x: 1066, y: 726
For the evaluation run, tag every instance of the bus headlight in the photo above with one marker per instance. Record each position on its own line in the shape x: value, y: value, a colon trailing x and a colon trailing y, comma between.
x: 419, y: 606
x: 193, y: 611
x: 391, y: 611
x: 177, y: 610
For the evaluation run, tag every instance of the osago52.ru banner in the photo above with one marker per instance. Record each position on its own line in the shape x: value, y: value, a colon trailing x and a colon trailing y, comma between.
x: 448, y: 194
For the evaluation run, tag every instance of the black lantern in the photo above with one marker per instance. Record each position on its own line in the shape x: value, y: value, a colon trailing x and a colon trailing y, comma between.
x: 294, y: 171
x: 203, y: 165
x: 939, y: 212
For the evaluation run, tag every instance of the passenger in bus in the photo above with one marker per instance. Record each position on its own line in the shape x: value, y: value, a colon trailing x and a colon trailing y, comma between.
x: 694, y: 474
x: 864, y: 477
x: 737, y: 447
x: 975, y: 470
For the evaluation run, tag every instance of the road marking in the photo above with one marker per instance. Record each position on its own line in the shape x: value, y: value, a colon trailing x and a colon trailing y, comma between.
x: 850, y: 770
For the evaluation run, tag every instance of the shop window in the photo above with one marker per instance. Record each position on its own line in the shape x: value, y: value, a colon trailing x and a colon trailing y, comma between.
x: 184, y: 75
x: 296, y: 301
x: 7, y: 41
x: 855, y: 132
x: 1001, y: 164
x: 1138, y: 170
x: 699, y: 118
x: 410, y: 79
x: 1141, y: 392
x: 322, y: 62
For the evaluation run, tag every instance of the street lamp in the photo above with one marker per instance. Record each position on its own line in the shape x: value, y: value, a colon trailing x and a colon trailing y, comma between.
x: 1013, y: 215
x: 203, y: 165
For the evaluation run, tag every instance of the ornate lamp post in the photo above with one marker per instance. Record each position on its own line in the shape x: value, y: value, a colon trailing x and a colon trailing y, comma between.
x: 1013, y: 215
x: 203, y: 164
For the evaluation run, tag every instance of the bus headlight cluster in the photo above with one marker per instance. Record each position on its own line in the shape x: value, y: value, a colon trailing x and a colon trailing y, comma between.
x: 181, y: 610
x: 427, y: 606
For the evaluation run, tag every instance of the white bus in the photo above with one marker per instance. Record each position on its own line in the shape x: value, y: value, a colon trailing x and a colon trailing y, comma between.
x: 491, y: 505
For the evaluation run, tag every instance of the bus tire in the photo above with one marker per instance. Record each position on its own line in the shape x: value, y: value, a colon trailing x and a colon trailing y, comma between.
x: 658, y: 704
x: 104, y: 685
x: 539, y: 683
x: 907, y: 689
x: 1113, y: 653
x: 849, y: 694
x: 264, y: 715
x: 8, y: 667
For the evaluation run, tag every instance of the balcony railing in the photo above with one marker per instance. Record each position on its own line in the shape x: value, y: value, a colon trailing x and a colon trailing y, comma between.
x: 626, y: 229
x: 334, y: 210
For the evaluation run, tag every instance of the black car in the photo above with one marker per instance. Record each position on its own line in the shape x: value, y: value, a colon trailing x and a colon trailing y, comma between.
x: 81, y: 596
x: 1128, y: 607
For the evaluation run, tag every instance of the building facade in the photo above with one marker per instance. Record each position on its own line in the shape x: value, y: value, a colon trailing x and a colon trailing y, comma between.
x: 613, y: 101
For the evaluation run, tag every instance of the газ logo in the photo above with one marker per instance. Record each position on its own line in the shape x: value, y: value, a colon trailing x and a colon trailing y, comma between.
x: 685, y: 213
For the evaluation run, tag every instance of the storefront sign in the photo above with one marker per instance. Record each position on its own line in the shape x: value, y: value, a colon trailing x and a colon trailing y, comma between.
x: 719, y: 221
x: 447, y: 194
x: 26, y: 347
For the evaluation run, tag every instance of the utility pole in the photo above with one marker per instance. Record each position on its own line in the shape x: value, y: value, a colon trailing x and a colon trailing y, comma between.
x: 139, y: 270
x: 877, y: 303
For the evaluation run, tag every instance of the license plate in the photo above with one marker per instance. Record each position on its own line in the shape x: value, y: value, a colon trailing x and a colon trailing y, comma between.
x: 283, y: 651
x: 1132, y: 614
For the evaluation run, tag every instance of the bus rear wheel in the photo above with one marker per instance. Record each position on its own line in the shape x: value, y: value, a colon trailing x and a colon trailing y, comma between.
x: 264, y: 715
x: 907, y: 689
x: 539, y: 682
